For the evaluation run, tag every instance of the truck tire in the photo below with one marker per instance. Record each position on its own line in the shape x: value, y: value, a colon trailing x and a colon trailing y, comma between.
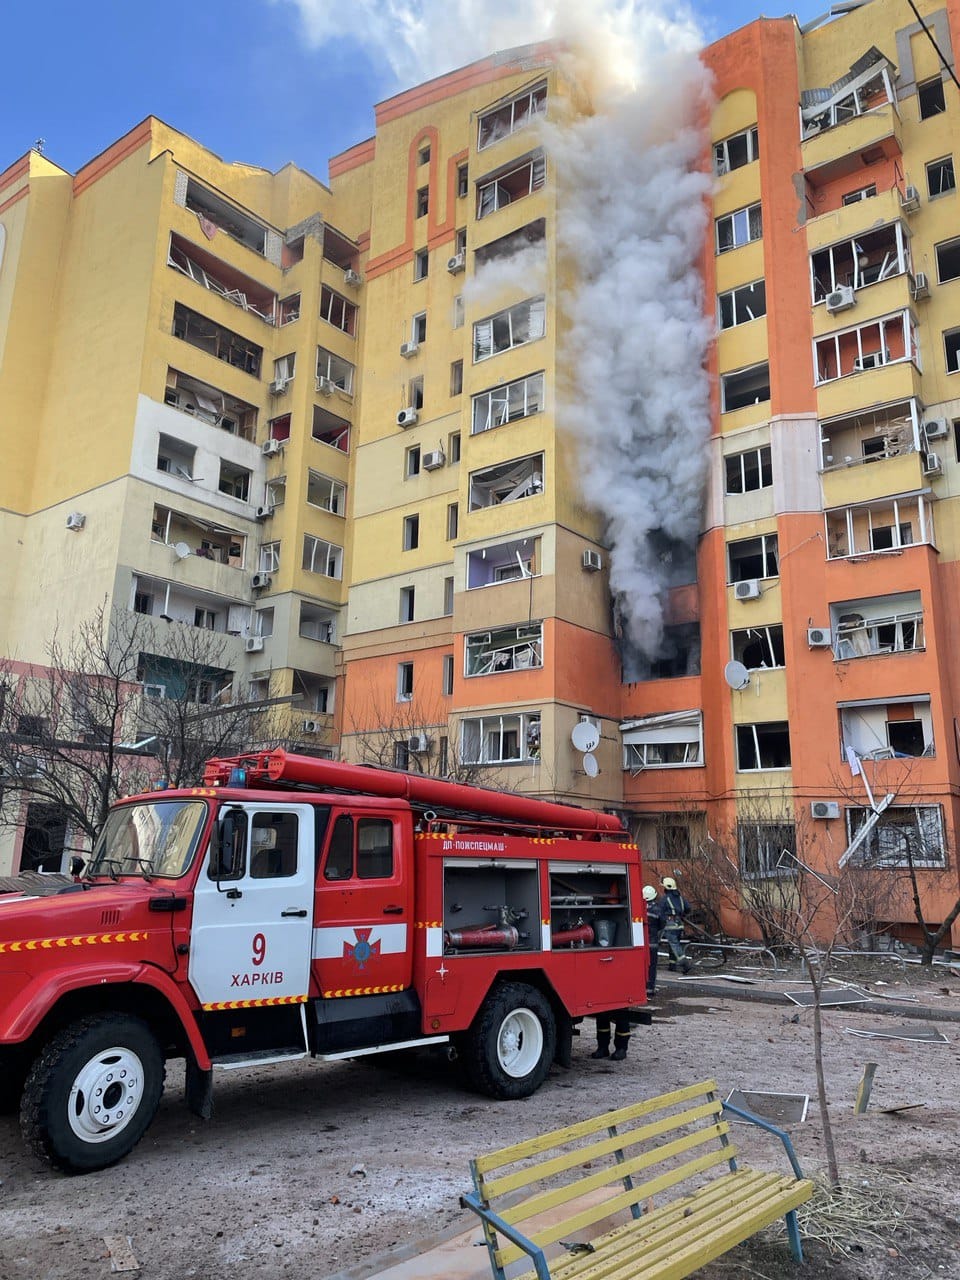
x: 92, y: 1092
x: 508, y: 1050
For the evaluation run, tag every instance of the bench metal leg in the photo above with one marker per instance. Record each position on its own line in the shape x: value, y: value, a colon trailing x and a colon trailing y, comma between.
x: 793, y: 1235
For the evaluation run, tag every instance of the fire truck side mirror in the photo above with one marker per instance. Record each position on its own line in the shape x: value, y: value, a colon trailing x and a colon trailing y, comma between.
x: 76, y: 866
x: 228, y: 853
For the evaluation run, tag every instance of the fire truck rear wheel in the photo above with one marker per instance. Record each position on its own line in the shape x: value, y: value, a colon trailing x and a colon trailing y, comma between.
x: 92, y: 1092
x: 511, y: 1044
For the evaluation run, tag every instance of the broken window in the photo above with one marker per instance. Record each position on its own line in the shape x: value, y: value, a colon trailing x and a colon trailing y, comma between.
x: 868, y: 346
x: 326, y: 493
x: 340, y: 249
x: 753, y: 558
x: 234, y: 481
x: 531, y: 236
x: 881, y: 624
x: 338, y: 311
x: 879, y: 526
x: 948, y: 260
x: 745, y: 387
x: 175, y: 457
x: 525, y: 322
x: 333, y: 371
x: 510, y: 184
x: 499, y: 122
x: 739, y: 228
x: 767, y: 850
x: 739, y: 306
x: 678, y: 654
x: 270, y: 557
x: 317, y: 623
x: 750, y: 470
x: 289, y: 309
x: 216, y: 214
x: 736, y: 151
x: 887, y: 728
x: 507, y: 482
x: 415, y: 392
x: 220, y: 278
x: 866, y: 86
x: 940, y: 176
x: 210, y: 404
x: 322, y: 557
x: 503, y: 562
x: 507, y: 403
x: 507, y: 649
x: 216, y: 340
x: 904, y: 835
x: 763, y: 746
x: 867, y: 259
x: 279, y: 428
x: 758, y: 648
x: 500, y: 739
x: 331, y: 430
x: 930, y: 99
x: 870, y: 435
x: 663, y: 741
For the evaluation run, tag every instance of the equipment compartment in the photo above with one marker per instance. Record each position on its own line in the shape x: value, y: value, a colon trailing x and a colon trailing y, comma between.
x: 490, y: 906
x: 589, y: 906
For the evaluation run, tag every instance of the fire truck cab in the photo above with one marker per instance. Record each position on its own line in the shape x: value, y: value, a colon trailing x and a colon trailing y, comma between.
x: 295, y: 907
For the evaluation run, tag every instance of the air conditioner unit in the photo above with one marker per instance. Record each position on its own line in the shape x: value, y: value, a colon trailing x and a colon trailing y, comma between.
x: 457, y: 263
x: 76, y: 520
x: 270, y: 448
x: 418, y: 743
x: 591, y: 560
x: 325, y: 386
x: 434, y: 460
x: 260, y: 581
x: 312, y: 726
x: 406, y: 417
x: 819, y: 637
x: 254, y: 644
x: 921, y: 286
x: 408, y: 349
x: 932, y: 465
x: 824, y: 809
x: 263, y: 512
x: 749, y: 589
x: 910, y: 199
x: 936, y: 429
x: 841, y: 299
x: 278, y: 386
x: 352, y: 278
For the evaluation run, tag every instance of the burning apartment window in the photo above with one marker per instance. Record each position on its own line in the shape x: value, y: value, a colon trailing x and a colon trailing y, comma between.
x: 930, y: 98
x: 507, y: 482
x: 736, y: 151
x: 745, y: 387
x: 324, y: 558
x: 739, y: 306
x: 759, y: 648
x: 940, y: 176
x: 763, y: 746
x: 948, y: 260
x: 678, y: 654
x: 507, y: 403
x: 510, y: 184
x: 739, y: 228
x: 333, y: 370
x: 500, y: 739
x: 768, y: 850
x: 338, y: 311
x: 507, y: 649
x: 525, y: 322
x: 326, y: 493
x: 663, y: 742
x: 750, y: 470
x: 499, y: 122
x: 904, y: 835
x: 753, y: 558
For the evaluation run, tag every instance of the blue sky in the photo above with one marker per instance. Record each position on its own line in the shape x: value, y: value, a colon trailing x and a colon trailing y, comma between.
x: 240, y: 76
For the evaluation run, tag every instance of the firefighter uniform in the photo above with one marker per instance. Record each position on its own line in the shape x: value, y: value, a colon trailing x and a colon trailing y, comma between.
x: 621, y: 1021
x: 656, y: 918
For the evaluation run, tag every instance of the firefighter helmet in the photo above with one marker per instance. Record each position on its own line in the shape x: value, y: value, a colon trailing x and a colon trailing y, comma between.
x: 668, y: 882
x: 649, y: 893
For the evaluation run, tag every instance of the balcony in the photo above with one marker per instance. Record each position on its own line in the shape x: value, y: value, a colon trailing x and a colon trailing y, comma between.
x: 854, y: 219
x: 158, y: 597
x: 209, y: 404
x: 851, y: 123
x: 216, y: 340
x: 877, y: 625
x: 886, y: 526
x: 222, y: 279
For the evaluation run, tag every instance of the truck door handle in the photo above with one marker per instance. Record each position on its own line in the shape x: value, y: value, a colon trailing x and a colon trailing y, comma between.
x: 302, y: 912
x: 393, y: 910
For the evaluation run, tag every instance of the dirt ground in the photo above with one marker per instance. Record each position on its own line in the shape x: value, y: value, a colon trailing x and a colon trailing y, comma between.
x: 311, y: 1169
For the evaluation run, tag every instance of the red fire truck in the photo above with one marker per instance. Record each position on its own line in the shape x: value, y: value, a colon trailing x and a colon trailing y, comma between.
x: 291, y: 907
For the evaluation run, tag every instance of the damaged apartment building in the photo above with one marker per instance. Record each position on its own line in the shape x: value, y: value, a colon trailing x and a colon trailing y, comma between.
x: 275, y: 408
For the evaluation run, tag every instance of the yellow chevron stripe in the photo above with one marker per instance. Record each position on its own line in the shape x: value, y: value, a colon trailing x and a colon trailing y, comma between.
x: 73, y: 940
x: 251, y: 1004
x: 361, y: 991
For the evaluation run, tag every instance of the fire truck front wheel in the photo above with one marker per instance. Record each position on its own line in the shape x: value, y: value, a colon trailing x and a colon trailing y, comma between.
x: 511, y: 1044
x: 92, y: 1092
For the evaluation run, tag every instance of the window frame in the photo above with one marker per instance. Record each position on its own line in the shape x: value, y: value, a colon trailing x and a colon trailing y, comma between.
x: 748, y: 219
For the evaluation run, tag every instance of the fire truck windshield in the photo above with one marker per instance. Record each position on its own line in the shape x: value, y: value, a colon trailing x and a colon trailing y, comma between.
x: 156, y: 839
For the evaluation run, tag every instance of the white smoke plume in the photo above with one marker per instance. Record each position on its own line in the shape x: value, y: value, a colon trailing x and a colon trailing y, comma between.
x: 632, y: 213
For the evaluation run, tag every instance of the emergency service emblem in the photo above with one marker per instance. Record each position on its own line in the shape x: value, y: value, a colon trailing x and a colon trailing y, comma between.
x: 363, y: 949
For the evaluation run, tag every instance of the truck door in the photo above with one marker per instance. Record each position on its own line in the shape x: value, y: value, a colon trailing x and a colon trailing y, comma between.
x: 362, y: 942
x: 252, y: 921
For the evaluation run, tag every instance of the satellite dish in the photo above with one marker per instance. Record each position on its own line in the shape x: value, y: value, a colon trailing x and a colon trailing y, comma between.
x: 181, y: 550
x: 590, y: 766
x: 585, y: 736
x: 736, y: 675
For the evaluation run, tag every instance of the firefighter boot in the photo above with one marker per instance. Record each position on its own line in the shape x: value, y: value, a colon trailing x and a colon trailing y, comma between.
x: 620, y: 1052
x: 603, y: 1046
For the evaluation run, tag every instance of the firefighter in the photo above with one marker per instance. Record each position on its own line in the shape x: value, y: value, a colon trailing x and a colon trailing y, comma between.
x: 655, y: 923
x: 621, y: 1022
x: 675, y: 909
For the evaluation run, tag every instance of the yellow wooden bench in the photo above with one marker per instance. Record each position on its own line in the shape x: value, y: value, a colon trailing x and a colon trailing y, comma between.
x: 542, y: 1197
